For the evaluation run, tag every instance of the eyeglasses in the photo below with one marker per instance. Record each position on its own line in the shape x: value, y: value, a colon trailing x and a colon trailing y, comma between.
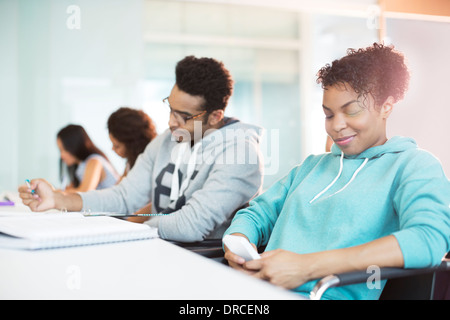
x: 180, y: 116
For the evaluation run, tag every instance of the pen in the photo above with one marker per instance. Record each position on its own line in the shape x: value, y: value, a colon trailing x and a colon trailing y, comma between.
x: 29, y: 186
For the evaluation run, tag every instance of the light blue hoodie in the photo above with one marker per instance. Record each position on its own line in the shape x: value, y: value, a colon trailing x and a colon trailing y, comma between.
x: 334, y: 201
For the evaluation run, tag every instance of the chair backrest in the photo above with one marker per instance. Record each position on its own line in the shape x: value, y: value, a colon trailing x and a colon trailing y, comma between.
x: 427, y: 286
x: 402, y: 284
x: 417, y: 287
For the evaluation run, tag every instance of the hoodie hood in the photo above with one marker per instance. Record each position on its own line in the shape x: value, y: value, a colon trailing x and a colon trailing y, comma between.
x: 393, y: 145
x: 232, y: 131
x: 214, y: 143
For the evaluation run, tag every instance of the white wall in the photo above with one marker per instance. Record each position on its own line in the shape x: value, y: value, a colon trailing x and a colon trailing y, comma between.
x: 8, y: 95
x: 52, y: 75
x: 425, y: 112
x: 125, y: 53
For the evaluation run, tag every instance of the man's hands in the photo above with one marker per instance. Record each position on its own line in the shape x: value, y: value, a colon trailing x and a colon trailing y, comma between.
x: 43, y: 197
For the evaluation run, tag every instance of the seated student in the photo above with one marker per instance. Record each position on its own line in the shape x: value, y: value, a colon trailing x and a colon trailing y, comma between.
x: 196, y: 174
x: 371, y: 201
x: 130, y: 131
x: 88, y: 167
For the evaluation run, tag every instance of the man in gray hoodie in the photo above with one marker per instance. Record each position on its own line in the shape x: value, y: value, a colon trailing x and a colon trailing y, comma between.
x: 196, y: 174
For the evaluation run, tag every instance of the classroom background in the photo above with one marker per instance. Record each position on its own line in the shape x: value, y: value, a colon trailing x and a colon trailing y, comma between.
x: 77, y: 61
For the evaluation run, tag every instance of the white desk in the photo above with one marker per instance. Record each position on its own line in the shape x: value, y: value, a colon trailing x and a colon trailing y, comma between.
x: 150, y: 269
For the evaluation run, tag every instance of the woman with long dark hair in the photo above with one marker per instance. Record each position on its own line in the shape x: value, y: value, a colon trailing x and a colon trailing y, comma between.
x: 88, y: 166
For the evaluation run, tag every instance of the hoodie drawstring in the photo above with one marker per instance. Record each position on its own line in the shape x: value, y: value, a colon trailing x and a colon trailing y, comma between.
x: 341, y: 166
x: 177, y: 191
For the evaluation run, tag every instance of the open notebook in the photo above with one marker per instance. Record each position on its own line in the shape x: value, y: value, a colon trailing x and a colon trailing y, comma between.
x: 55, y: 230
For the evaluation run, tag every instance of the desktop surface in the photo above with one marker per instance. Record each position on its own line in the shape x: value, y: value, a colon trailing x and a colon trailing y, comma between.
x: 146, y: 269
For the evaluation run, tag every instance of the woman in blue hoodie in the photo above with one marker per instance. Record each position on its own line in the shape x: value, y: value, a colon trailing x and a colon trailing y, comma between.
x: 370, y: 201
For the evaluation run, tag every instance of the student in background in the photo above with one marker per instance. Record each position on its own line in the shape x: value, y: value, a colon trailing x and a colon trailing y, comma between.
x: 196, y: 174
x: 88, y: 167
x: 371, y: 201
x: 130, y: 131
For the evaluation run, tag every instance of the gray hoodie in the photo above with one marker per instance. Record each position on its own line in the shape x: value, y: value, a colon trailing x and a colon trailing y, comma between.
x: 215, y: 177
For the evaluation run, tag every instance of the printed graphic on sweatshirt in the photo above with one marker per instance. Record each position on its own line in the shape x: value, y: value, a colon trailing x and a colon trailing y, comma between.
x: 163, y: 181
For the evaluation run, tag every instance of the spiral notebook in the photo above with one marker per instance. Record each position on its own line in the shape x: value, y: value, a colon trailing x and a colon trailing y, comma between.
x: 56, y: 230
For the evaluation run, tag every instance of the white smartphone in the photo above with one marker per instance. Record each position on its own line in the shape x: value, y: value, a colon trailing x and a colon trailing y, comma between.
x: 240, y: 246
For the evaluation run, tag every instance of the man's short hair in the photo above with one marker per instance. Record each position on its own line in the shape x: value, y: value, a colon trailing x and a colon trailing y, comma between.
x: 205, y: 77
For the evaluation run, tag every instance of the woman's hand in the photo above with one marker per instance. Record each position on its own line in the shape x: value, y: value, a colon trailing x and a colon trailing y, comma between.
x: 235, y: 261
x: 280, y: 267
x: 290, y: 270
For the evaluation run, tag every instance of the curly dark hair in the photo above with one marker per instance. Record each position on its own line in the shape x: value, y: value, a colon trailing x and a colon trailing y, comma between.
x: 134, y: 128
x: 377, y: 70
x: 205, y: 77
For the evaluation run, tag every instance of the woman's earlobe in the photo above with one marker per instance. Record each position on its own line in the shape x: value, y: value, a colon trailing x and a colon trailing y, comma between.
x: 388, y: 107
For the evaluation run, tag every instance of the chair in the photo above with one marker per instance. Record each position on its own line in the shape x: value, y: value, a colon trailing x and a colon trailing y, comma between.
x: 209, y: 248
x: 402, y: 284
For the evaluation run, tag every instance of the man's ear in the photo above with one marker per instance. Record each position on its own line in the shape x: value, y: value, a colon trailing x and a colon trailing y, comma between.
x: 215, y: 117
x: 387, y: 107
